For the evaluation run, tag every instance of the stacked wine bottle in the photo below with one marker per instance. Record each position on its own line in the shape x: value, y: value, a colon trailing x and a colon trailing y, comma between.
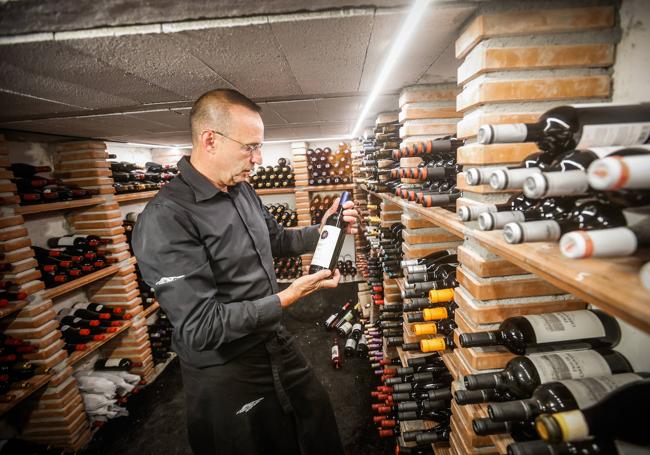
x: 132, y: 177
x: 283, y: 214
x: 432, y: 182
x: 85, y: 322
x: 70, y: 257
x: 346, y: 268
x: 106, y: 388
x: 35, y: 188
x: 288, y: 268
x: 160, y: 338
x: 378, y: 157
x: 279, y: 176
x: 329, y: 167
x: 593, y: 163
x: 571, y: 374
x: 15, y: 369
x: 318, y: 206
x: 349, y: 327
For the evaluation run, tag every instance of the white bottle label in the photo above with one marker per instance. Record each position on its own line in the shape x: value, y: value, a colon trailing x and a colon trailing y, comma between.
x: 326, y: 246
x: 554, y: 366
x: 110, y: 363
x: 590, y: 390
x: 614, y: 134
x: 335, y: 351
x: 569, y: 325
x: 67, y: 240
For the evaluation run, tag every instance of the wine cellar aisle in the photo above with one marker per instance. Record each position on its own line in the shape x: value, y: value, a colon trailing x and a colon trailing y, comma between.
x: 494, y: 290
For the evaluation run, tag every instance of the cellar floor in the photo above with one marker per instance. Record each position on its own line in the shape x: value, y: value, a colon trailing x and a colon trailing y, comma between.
x: 156, y: 424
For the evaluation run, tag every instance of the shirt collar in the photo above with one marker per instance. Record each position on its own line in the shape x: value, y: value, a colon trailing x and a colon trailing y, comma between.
x: 203, y: 188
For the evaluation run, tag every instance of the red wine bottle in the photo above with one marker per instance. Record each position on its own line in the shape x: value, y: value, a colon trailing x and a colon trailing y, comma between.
x: 331, y: 239
x: 549, y: 332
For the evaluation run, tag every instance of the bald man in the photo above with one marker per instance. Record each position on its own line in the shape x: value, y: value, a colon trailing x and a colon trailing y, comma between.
x: 206, y: 243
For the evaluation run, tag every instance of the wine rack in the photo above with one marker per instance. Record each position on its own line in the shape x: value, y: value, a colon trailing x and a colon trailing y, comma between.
x: 58, y: 417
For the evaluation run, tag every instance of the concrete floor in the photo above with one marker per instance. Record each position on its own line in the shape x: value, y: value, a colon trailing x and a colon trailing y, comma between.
x: 156, y: 424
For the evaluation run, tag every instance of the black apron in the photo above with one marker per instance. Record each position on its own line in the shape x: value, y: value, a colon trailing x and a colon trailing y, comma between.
x: 265, y: 401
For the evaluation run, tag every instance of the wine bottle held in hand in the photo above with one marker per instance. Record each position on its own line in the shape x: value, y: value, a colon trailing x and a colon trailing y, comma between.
x: 331, y: 239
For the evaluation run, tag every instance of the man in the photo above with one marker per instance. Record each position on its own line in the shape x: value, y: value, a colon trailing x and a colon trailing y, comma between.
x: 206, y: 244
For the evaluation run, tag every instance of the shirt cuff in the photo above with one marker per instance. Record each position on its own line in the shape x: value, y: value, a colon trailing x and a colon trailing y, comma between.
x: 311, y: 236
x: 269, y: 312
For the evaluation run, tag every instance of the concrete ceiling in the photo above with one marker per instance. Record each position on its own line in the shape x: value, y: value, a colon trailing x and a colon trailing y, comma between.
x: 310, y: 71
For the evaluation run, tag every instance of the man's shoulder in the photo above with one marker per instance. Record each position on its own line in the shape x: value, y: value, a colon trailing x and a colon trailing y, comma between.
x: 168, y: 202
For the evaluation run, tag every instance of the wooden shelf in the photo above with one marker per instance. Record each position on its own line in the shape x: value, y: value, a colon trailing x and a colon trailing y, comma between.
x: 12, y: 308
x: 135, y: 196
x: 437, y: 215
x: 264, y: 191
x: 589, y: 279
x: 78, y: 356
x: 54, y: 206
x: 150, y: 310
x: 80, y: 282
x: 612, y: 285
x: 36, y: 383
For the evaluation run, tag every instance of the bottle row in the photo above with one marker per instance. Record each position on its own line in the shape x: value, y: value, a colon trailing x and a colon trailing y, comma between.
x: 279, y: 176
x: 327, y: 167
x: 283, y: 214
x: 35, y: 188
x: 70, y: 257
x: 131, y: 177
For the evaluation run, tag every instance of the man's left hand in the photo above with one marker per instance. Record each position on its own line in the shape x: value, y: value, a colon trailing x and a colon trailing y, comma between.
x: 350, y: 216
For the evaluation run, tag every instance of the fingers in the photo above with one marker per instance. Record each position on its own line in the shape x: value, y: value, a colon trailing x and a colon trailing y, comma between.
x: 347, y: 205
x: 321, y: 275
x: 332, y: 282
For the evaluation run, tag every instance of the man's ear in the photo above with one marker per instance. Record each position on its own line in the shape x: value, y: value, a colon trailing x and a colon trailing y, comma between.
x: 208, y: 141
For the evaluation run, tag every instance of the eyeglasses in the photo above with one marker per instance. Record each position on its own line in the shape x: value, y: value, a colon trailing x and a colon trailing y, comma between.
x: 248, y: 148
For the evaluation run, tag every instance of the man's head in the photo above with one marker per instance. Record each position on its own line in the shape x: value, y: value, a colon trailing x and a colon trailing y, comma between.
x: 225, y: 127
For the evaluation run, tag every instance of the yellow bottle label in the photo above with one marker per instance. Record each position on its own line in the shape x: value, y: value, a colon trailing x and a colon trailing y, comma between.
x: 573, y: 425
x: 433, y: 345
x: 425, y: 329
x: 435, y: 314
x: 441, y: 295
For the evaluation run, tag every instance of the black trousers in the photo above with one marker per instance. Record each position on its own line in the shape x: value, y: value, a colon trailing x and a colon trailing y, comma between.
x: 266, y: 401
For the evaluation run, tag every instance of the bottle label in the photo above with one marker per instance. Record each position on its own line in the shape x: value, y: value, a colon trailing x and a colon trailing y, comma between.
x: 614, y: 134
x: 326, y: 246
x: 569, y: 325
x: 111, y: 363
x: 67, y: 240
x: 569, y: 365
x: 590, y: 390
x: 335, y: 351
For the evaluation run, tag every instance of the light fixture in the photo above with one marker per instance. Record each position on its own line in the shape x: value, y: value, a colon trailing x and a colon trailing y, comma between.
x: 402, y: 39
x: 312, y: 139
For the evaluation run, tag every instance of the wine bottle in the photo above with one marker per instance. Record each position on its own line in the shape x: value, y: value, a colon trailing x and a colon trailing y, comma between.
x: 331, y: 239
x: 519, y: 431
x: 516, y: 202
x: 620, y: 415
x: 621, y: 241
x: 616, y: 173
x: 549, y: 332
x: 569, y: 127
x: 561, y: 396
x: 523, y: 374
x: 545, y: 209
x: 587, y: 215
x: 588, y: 447
x: 115, y: 364
x: 335, y: 354
x: 438, y: 344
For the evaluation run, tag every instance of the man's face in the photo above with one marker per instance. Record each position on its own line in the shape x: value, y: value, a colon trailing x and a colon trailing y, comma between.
x: 233, y: 161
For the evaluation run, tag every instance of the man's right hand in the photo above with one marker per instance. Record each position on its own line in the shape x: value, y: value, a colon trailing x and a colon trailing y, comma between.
x: 308, y: 284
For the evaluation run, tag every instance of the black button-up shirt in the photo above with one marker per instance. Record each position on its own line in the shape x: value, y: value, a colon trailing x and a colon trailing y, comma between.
x: 209, y: 256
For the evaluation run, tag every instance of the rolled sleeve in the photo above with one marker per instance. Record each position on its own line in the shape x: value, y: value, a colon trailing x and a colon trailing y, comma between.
x: 269, y: 312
